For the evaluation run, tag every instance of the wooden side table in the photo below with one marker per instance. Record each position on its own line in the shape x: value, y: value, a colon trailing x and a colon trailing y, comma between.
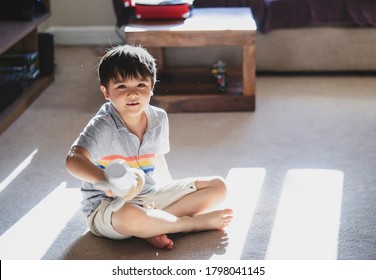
x: 194, y: 89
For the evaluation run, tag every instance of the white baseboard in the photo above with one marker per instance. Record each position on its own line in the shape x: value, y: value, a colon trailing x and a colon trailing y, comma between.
x: 85, y: 35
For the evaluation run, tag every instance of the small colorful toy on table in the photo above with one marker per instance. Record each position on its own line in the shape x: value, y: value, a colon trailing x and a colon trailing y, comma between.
x: 219, y: 73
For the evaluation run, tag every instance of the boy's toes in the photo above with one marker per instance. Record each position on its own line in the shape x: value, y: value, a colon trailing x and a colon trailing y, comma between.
x: 160, y: 242
x: 228, y: 211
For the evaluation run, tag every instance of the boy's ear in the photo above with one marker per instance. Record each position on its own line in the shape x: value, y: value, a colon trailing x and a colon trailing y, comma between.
x: 105, y: 92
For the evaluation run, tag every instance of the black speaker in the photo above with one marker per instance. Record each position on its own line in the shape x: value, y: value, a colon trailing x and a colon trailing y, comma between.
x: 46, y: 53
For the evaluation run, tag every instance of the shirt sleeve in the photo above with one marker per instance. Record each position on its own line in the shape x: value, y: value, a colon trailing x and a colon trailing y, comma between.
x: 94, y: 137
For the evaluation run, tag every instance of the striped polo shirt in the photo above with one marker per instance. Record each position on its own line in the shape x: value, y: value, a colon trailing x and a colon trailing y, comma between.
x: 107, y: 138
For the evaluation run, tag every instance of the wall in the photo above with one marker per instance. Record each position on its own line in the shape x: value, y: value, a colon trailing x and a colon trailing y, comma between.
x: 82, y: 13
x: 77, y: 22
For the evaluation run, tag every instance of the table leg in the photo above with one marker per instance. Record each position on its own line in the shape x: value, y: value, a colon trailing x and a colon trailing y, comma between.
x: 249, y: 70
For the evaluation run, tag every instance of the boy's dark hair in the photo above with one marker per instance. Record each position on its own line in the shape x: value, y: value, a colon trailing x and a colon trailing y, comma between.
x: 126, y: 61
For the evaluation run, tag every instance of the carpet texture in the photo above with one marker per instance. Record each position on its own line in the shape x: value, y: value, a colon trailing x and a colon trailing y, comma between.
x: 323, y: 126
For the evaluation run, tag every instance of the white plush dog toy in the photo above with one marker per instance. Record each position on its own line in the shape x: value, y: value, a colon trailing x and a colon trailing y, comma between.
x: 125, y: 182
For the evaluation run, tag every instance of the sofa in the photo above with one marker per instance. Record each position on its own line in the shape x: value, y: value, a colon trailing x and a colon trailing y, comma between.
x: 311, y: 35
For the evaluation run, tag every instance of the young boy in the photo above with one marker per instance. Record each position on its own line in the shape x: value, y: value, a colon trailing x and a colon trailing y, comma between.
x: 127, y: 127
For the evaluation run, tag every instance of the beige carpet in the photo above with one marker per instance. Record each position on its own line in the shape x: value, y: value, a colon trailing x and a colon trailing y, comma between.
x: 309, y: 149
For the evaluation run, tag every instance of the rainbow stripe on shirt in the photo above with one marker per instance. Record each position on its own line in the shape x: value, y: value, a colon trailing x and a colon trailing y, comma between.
x: 143, y: 162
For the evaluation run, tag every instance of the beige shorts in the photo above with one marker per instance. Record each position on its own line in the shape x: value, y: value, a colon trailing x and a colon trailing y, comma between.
x: 99, y: 221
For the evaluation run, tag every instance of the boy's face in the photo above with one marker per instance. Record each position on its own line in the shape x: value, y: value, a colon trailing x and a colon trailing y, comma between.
x: 129, y: 96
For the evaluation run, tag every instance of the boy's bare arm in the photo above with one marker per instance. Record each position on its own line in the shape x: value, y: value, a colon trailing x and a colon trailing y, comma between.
x: 79, y: 165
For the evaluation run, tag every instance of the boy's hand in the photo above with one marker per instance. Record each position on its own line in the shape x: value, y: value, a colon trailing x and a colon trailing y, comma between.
x: 125, y: 192
x: 106, y: 187
x: 109, y: 193
x: 125, y: 182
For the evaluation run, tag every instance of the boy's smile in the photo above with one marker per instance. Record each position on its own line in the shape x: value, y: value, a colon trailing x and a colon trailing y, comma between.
x: 133, y: 104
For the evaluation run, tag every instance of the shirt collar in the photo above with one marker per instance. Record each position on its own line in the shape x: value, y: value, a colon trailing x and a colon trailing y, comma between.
x: 153, y: 120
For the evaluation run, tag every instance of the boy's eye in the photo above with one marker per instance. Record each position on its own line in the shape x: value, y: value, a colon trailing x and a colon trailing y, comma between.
x: 142, y: 85
x: 122, y: 86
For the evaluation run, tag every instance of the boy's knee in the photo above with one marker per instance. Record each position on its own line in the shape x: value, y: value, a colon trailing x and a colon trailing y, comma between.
x: 128, y: 220
x: 219, y: 184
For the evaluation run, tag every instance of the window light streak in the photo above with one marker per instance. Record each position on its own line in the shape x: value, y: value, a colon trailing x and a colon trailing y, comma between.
x: 307, y: 222
x: 17, y: 171
x: 34, y: 233
x: 244, y: 187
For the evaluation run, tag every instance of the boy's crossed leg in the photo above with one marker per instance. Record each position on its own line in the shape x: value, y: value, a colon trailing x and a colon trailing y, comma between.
x: 185, y: 215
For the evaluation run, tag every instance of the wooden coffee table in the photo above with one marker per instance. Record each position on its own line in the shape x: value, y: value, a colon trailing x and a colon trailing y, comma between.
x: 193, y: 89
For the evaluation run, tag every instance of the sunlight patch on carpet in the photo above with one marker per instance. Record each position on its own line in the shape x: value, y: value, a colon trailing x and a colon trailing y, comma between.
x: 34, y: 233
x: 17, y: 170
x: 307, y: 221
x: 244, y: 187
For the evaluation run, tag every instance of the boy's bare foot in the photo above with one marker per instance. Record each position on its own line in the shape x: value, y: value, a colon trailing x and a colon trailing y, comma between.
x: 226, y: 218
x: 160, y: 242
x: 215, y: 220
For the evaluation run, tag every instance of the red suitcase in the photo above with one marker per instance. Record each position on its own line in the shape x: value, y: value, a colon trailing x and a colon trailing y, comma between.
x: 156, y: 9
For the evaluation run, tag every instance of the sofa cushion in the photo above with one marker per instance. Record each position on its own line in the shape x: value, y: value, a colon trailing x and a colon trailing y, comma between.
x: 363, y: 12
x: 298, y: 13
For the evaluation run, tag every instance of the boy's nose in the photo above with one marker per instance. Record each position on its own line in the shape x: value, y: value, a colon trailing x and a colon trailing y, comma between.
x: 132, y: 93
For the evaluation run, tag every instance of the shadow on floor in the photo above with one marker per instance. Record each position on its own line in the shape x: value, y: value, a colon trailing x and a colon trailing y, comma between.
x: 202, y: 245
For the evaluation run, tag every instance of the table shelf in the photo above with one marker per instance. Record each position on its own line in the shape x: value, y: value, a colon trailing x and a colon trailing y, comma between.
x: 195, y: 90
